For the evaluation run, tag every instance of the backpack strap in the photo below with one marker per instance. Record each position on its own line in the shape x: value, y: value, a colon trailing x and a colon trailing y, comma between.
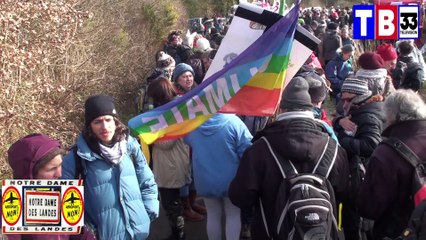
x: 132, y: 154
x: 403, y: 150
x: 80, y: 164
x: 286, y: 167
x: 327, y: 158
x: 323, y: 166
x: 134, y: 159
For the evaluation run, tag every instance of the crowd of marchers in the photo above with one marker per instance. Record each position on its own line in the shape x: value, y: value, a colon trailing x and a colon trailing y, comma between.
x: 237, y: 164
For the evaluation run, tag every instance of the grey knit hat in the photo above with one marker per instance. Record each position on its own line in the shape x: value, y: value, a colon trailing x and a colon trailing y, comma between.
x: 296, y: 95
x: 317, y: 89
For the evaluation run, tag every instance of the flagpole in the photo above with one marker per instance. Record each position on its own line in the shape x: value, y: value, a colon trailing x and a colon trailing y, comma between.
x: 282, y: 3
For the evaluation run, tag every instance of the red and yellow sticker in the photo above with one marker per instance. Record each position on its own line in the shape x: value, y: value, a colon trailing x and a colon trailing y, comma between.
x: 11, y: 205
x: 72, y: 206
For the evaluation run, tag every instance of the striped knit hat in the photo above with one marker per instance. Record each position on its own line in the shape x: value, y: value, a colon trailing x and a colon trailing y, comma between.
x: 356, y: 86
x: 164, y: 60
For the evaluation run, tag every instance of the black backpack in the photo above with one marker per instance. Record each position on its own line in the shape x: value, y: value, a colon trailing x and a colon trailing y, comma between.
x: 305, y: 205
x: 398, y: 73
x: 412, y: 77
x: 416, y: 228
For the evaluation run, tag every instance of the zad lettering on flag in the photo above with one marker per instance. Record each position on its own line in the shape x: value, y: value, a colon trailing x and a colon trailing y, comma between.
x: 250, y: 84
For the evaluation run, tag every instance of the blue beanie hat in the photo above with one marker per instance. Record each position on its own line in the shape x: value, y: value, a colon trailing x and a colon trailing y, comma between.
x: 180, y: 69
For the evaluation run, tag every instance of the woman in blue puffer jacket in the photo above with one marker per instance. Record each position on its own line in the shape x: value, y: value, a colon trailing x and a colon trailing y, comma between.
x: 121, y: 196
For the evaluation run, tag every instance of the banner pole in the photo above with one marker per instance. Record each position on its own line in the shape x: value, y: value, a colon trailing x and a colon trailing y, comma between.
x: 282, y: 4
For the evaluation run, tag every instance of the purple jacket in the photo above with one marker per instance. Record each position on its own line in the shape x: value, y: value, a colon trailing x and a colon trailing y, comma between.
x: 385, y: 193
x: 23, y: 156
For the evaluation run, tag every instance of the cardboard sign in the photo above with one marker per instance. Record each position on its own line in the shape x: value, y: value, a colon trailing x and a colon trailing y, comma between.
x: 248, y: 24
x: 42, y: 206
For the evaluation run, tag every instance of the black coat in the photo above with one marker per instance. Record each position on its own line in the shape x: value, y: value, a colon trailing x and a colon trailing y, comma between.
x: 369, y: 118
x: 180, y: 53
x: 330, y: 43
x: 258, y: 177
x: 385, y: 193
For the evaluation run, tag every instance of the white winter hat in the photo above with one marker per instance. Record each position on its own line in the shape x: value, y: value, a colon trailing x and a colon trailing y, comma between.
x: 202, y: 45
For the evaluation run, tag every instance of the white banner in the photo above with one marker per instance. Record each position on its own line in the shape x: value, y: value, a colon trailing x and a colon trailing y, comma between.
x: 248, y: 24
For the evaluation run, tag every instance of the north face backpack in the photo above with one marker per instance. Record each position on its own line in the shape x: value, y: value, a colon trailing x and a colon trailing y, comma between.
x: 305, y: 203
x: 416, y: 228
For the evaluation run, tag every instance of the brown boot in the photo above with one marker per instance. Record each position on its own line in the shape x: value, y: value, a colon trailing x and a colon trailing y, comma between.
x: 196, y: 206
x: 188, y: 213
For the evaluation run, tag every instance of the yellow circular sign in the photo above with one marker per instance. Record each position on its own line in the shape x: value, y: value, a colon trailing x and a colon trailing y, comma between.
x: 11, y: 205
x: 72, y: 206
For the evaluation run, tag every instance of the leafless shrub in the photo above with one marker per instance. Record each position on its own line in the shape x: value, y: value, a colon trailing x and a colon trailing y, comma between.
x: 54, y: 53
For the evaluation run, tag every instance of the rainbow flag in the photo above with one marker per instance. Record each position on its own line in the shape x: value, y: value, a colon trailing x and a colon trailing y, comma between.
x: 251, y: 84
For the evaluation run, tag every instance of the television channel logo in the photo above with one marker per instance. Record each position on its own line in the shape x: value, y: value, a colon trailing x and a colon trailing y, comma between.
x: 386, y: 22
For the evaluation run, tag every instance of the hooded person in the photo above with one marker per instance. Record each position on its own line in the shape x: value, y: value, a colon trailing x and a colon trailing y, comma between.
x: 214, y: 168
x: 121, y: 196
x: 372, y: 69
x: 296, y: 136
x: 30, y: 155
x: 36, y: 156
